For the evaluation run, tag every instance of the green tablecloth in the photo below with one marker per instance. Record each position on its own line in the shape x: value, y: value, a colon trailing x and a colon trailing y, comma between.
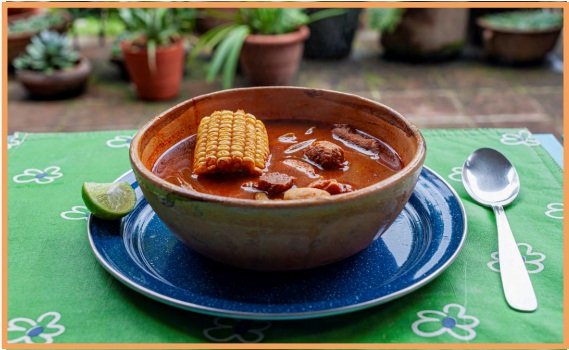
x: 58, y: 292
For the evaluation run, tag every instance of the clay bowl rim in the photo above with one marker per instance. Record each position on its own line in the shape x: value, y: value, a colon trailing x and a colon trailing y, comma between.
x: 138, y: 166
x: 300, y: 34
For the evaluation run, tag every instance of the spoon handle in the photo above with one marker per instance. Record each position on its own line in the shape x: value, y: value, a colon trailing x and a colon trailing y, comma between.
x: 515, y: 278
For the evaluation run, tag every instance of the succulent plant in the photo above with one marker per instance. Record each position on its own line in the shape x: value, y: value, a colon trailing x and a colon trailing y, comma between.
x: 48, y: 52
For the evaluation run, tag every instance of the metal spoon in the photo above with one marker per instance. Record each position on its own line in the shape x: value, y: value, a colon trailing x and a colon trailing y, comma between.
x: 491, y: 180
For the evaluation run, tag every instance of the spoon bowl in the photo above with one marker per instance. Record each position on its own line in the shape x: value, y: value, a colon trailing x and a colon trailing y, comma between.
x: 491, y: 180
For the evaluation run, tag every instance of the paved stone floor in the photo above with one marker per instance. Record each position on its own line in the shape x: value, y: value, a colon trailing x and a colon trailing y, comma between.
x: 464, y: 93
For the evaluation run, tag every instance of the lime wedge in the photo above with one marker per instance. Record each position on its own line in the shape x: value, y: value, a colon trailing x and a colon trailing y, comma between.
x: 109, y: 201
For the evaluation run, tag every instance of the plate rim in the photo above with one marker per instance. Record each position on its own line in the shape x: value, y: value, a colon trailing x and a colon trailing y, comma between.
x: 214, y: 311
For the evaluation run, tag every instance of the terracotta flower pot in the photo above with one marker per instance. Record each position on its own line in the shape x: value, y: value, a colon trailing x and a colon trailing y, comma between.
x: 60, y: 84
x: 517, y: 46
x: 162, y: 84
x: 273, y: 59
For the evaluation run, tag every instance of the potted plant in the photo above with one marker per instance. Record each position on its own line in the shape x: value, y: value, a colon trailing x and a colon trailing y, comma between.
x: 22, y: 29
x: 153, y: 52
x: 267, y: 42
x: 186, y: 19
x: 332, y: 37
x: 51, y: 68
x: 420, y: 34
x: 520, y: 37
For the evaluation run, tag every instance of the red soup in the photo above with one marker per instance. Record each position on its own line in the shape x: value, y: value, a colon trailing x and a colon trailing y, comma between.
x: 365, y: 161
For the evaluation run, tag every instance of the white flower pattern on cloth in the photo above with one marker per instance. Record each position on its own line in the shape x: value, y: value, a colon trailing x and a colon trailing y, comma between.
x: 555, y: 210
x: 39, y: 176
x: 77, y: 212
x: 522, y: 137
x: 16, y: 139
x: 120, y: 141
x: 456, y: 174
x: 532, y: 259
x: 40, y: 331
x: 452, y: 320
x: 244, y: 331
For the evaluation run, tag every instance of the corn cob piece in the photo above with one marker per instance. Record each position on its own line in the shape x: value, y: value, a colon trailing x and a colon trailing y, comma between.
x: 230, y: 142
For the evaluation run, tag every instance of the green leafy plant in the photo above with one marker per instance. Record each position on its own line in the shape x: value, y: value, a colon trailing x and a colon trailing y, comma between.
x: 36, y: 23
x: 150, y: 28
x: 228, y: 39
x: 526, y: 20
x: 48, y: 52
x: 385, y: 19
x: 186, y: 18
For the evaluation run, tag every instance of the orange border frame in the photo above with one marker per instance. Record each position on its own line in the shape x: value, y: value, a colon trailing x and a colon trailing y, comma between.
x: 232, y: 4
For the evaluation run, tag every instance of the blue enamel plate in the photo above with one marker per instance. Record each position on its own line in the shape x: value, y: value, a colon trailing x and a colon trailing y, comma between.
x: 423, y: 241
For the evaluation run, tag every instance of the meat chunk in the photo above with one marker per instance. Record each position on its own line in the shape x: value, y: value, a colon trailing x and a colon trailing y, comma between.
x: 326, y: 154
x: 331, y: 186
x: 349, y: 134
x: 275, y: 183
x: 385, y: 154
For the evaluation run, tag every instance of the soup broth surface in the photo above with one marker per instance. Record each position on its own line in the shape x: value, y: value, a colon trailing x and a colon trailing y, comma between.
x: 286, y: 138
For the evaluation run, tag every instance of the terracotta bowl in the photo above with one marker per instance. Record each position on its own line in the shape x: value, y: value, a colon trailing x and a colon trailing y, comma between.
x: 279, y: 235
